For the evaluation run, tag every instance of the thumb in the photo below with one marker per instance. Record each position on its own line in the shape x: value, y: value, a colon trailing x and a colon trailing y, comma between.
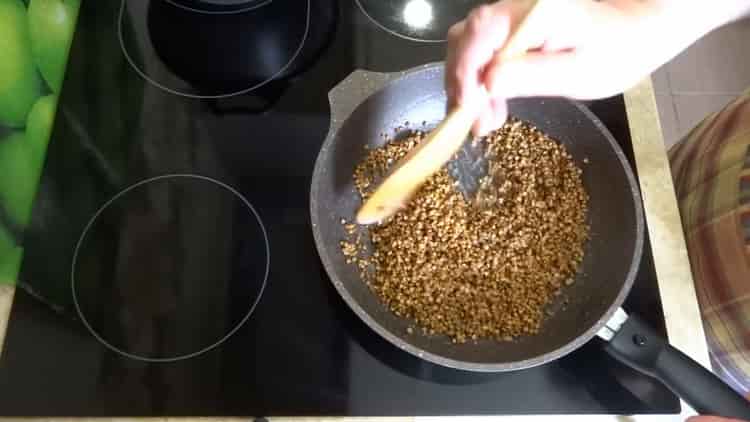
x: 541, y: 74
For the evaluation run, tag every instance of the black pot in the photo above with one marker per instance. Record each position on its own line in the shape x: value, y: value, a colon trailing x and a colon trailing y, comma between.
x: 232, y: 45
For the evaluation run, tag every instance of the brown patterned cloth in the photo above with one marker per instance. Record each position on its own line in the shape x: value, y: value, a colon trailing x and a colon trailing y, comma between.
x: 711, y: 172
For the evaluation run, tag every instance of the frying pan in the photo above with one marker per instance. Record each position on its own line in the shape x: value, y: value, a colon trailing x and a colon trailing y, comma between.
x: 367, y: 104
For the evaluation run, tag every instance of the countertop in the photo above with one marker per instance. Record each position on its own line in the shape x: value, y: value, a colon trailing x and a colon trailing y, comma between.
x: 683, y: 321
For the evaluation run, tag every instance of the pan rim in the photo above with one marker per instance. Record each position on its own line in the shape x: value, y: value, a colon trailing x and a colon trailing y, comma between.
x: 443, y: 360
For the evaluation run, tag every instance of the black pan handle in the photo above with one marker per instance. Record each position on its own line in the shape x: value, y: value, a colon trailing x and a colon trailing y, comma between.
x: 639, y: 347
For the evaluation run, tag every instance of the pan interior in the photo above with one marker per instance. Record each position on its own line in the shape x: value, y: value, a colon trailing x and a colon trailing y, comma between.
x: 419, y: 97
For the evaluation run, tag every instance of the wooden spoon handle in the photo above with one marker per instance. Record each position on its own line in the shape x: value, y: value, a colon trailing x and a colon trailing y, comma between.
x: 418, y: 165
x: 444, y: 141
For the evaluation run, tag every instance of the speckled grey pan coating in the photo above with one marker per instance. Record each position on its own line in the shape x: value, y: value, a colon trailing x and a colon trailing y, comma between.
x: 367, y: 104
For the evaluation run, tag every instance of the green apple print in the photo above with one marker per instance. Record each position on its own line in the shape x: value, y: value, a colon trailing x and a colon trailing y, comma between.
x: 18, y: 177
x: 52, y: 24
x: 39, y: 128
x: 10, y: 257
x: 19, y: 81
x: 22, y: 159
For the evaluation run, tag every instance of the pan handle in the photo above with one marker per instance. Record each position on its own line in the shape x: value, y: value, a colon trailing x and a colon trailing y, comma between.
x: 639, y: 347
x: 353, y: 90
x: 360, y: 85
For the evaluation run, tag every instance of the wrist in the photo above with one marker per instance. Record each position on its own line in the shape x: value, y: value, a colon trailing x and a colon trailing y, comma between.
x: 694, y: 17
x: 658, y: 30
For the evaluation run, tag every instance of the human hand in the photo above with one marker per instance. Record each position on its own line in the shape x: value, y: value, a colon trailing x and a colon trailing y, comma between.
x: 581, y: 49
x: 711, y: 419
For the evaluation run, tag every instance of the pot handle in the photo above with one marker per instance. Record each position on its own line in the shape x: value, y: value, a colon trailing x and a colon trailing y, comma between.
x: 639, y: 347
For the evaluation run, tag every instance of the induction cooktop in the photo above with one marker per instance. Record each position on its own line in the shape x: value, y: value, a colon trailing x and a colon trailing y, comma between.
x: 170, y: 267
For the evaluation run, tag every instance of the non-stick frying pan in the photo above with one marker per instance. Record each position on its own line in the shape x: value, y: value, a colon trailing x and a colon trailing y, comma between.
x: 367, y: 104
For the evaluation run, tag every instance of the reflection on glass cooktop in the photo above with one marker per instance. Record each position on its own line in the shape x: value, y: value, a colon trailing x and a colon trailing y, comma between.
x: 417, y: 20
x: 150, y: 264
x: 172, y: 267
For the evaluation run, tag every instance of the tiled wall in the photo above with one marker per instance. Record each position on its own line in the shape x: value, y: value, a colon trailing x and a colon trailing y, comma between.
x: 702, y: 79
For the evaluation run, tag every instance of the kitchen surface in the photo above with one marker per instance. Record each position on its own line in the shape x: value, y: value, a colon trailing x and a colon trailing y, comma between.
x: 207, y: 143
x: 687, y: 90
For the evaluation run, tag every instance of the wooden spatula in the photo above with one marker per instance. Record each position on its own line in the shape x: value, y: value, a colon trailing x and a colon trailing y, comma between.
x: 440, y: 145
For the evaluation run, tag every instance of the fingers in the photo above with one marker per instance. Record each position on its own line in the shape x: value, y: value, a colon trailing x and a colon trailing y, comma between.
x: 573, y: 54
x: 491, y: 118
x: 538, y: 74
x: 471, y: 46
x: 574, y: 73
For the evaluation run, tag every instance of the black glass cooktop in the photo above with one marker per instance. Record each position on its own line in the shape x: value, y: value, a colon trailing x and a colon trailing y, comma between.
x: 170, y: 267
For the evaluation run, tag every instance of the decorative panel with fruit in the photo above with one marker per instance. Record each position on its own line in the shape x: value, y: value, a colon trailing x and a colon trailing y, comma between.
x: 35, y: 37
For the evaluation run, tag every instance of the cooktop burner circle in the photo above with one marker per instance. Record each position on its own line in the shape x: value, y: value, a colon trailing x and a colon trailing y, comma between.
x: 418, y: 20
x: 219, y: 6
x: 170, y: 267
